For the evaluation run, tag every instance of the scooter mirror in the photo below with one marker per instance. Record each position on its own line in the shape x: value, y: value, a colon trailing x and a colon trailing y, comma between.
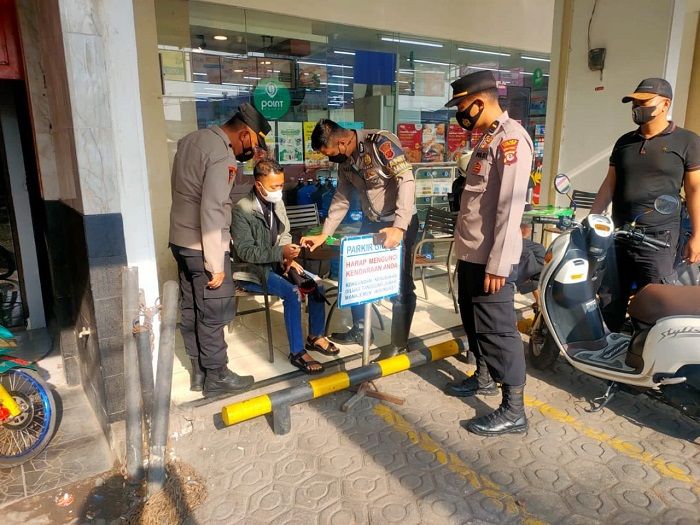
x: 667, y: 204
x: 562, y: 183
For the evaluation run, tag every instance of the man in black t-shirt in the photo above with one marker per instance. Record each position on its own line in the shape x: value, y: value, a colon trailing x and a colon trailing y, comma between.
x: 658, y: 158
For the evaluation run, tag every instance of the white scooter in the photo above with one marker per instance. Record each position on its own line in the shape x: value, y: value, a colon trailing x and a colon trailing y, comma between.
x: 662, y: 353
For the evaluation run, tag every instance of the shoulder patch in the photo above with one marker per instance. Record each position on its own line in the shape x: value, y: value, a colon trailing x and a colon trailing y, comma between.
x: 387, y: 150
x: 509, y: 149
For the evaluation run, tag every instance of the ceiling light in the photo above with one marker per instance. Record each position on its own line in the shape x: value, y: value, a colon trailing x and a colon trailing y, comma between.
x: 200, y: 74
x: 266, y: 63
x: 415, y: 42
x: 252, y: 78
x: 497, y: 53
x: 220, y: 37
x: 351, y: 53
x: 238, y: 71
x: 335, y: 84
x: 417, y: 61
x: 322, y: 64
x: 537, y: 59
x: 342, y: 76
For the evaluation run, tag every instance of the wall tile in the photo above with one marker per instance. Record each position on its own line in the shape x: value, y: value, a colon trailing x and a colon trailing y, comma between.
x: 80, y: 16
x: 106, y: 279
x: 108, y: 317
x: 104, y: 234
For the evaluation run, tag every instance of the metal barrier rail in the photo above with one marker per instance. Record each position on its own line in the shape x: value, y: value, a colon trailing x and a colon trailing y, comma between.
x: 278, y: 403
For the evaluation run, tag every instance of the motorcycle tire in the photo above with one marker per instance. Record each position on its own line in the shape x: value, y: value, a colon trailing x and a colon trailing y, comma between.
x: 541, y: 349
x: 34, y: 427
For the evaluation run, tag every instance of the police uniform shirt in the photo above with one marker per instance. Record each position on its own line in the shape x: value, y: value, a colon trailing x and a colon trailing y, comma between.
x: 648, y: 167
x: 203, y: 173
x: 493, y: 199
x: 381, y: 175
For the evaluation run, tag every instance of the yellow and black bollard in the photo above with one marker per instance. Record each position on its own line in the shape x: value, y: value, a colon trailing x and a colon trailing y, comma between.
x: 279, y: 402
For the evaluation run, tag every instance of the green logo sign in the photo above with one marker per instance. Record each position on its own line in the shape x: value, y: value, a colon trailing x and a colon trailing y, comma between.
x: 271, y: 98
x: 537, y: 78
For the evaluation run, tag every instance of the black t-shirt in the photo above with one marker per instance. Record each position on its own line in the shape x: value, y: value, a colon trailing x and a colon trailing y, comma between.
x: 647, y: 168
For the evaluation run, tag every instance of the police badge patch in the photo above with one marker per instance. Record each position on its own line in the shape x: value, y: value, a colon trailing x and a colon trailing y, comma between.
x: 509, y: 148
x: 387, y: 150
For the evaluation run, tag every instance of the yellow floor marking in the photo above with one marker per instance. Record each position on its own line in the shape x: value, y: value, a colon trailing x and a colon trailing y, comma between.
x: 480, y: 482
x: 665, y: 468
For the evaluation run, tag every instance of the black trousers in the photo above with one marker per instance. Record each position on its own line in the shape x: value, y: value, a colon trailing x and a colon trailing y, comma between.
x: 490, y: 323
x: 407, y: 288
x: 203, y: 312
x: 627, y: 265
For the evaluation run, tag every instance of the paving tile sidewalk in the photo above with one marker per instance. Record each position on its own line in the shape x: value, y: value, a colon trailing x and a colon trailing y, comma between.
x: 636, y: 462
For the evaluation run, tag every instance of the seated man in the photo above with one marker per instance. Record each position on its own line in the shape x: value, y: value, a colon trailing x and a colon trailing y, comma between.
x: 260, y: 232
x: 530, y: 265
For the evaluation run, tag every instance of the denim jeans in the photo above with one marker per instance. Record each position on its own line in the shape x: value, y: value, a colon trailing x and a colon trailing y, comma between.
x: 282, y: 288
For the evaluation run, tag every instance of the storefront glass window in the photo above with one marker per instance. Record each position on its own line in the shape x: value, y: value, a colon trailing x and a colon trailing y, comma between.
x: 214, y: 57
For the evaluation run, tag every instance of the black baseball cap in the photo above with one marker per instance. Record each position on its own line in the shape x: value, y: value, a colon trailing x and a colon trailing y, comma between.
x: 252, y: 118
x: 649, y: 88
x: 470, y: 84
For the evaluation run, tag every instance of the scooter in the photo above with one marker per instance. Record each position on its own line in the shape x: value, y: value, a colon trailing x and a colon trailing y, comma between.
x: 661, y: 355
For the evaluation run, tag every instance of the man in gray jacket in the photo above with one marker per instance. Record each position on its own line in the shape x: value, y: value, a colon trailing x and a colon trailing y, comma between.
x: 260, y: 231
x: 204, y: 171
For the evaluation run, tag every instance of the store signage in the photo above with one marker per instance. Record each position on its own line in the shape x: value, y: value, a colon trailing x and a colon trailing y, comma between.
x: 368, y: 272
x: 271, y: 98
x: 537, y: 78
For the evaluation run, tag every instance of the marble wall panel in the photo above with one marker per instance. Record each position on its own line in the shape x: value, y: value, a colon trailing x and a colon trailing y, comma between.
x: 80, y: 16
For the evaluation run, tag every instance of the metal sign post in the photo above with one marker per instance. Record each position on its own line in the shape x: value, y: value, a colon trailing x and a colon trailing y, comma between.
x: 368, y: 273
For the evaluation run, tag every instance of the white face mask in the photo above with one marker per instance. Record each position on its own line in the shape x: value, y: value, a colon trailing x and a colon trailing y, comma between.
x: 272, y: 197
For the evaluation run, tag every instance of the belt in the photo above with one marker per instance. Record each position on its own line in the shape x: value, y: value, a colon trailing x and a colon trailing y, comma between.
x: 390, y: 218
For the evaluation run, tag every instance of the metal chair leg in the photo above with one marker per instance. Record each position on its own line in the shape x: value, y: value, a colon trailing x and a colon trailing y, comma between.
x: 422, y: 278
x: 270, y: 347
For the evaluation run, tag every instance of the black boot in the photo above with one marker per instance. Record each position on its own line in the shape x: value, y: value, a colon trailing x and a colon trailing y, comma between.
x: 401, y: 318
x: 506, y: 419
x: 353, y: 336
x: 223, y: 381
x: 480, y: 383
x: 196, y: 375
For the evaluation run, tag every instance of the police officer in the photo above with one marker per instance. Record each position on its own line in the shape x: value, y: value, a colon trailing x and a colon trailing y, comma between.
x: 372, y: 163
x: 657, y: 158
x: 488, y: 243
x: 203, y: 174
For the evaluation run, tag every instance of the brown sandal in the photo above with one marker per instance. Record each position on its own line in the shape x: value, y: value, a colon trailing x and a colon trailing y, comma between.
x: 312, y: 344
x: 298, y: 361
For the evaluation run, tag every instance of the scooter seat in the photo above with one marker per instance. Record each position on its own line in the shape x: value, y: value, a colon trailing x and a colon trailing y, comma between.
x: 656, y: 301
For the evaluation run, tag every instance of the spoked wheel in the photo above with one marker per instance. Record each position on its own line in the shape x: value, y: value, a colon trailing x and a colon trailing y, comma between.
x: 541, y: 348
x: 25, y: 436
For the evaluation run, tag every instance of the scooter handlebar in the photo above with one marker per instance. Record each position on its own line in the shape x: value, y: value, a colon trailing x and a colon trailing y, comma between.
x: 637, y: 237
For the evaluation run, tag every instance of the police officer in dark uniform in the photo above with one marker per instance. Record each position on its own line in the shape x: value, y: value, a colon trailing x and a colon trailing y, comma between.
x: 372, y: 163
x: 204, y: 171
x: 655, y: 159
x: 488, y: 244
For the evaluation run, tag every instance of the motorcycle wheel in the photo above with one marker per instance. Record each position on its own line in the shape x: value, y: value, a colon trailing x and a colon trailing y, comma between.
x: 26, y: 435
x: 541, y: 348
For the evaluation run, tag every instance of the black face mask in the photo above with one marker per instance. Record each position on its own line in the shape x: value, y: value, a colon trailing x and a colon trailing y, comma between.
x: 643, y: 114
x: 468, y: 121
x: 340, y: 157
x: 247, y: 153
